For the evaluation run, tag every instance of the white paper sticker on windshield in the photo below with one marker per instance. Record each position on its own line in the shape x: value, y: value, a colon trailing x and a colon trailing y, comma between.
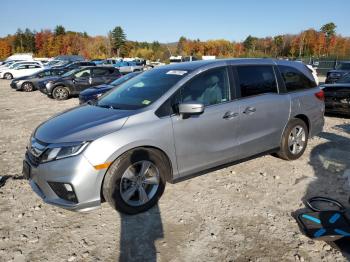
x: 176, y: 72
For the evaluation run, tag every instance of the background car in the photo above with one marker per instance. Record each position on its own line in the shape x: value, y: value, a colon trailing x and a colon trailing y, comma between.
x: 75, y: 81
x: 74, y: 65
x: 95, y: 92
x: 22, y: 69
x: 128, y: 67
x: 337, y: 96
x: 340, y: 70
x: 30, y: 83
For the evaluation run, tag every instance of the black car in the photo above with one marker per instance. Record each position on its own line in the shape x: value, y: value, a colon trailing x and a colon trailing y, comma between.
x: 77, y: 80
x: 31, y: 83
x: 340, y: 70
x: 75, y: 65
x: 337, y: 96
x: 95, y: 92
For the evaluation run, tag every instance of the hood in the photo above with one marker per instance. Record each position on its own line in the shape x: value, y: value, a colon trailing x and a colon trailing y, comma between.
x: 102, y: 86
x: 96, y: 90
x: 338, y: 71
x: 49, y: 78
x: 83, y: 123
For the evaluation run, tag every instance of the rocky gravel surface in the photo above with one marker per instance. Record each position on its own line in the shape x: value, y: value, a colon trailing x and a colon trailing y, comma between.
x: 239, y: 213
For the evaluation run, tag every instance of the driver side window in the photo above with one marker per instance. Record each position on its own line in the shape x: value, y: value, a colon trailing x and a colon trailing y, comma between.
x: 209, y: 88
x: 83, y: 73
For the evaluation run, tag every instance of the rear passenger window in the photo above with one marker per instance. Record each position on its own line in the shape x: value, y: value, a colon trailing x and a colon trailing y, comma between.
x: 294, y: 79
x: 256, y: 80
x: 100, y: 71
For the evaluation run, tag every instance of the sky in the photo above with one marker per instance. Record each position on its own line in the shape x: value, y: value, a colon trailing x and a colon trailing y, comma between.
x: 165, y: 21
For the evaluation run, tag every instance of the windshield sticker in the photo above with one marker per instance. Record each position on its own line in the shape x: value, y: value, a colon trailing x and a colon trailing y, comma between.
x: 176, y: 72
x: 146, y: 102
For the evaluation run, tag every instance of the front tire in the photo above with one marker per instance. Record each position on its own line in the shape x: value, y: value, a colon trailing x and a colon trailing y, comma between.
x: 27, y: 87
x: 294, y: 140
x: 135, y: 181
x: 8, y: 76
x: 60, y: 93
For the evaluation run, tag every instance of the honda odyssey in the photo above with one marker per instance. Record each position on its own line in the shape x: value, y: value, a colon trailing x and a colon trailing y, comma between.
x: 168, y: 124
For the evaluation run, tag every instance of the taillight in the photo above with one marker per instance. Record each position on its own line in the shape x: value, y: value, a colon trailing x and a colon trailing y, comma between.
x: 320, y: 95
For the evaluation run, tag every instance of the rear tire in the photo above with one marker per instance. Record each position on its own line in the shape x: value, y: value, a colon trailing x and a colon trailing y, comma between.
x: 129, y: 190
x: 27, y: 87
x: 294, y: 140
x: 8, y: 76
x: 60, y: 93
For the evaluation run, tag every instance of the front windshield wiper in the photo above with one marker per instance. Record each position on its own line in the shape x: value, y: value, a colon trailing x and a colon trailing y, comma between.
x: 107, y: 106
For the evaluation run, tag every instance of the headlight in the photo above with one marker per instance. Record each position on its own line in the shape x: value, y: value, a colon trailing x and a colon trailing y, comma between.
x: 59, y: 152
x: 98, y: 95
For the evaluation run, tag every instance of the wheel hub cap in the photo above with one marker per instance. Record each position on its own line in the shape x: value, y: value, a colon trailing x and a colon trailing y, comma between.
x: 139, y: 183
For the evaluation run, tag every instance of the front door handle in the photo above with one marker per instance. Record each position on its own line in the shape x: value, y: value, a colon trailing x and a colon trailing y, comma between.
x: 229, y: 115
x: 249, y: 110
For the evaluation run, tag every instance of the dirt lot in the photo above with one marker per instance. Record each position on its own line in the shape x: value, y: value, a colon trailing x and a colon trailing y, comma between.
x: 240, y: 213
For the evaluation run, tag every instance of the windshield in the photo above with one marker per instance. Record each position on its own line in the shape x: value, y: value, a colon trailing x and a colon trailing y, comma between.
x: 343, y: 66
x: 344, y: 79
x: 70, y: 72
x: 123, y: 79
x: 141, y: 90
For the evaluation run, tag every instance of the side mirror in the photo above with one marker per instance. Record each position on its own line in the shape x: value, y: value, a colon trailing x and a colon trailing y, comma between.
x: 191, y: 108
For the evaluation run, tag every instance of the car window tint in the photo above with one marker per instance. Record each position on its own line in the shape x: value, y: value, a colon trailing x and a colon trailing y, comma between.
x: 294, y: 79
x: 100, y: 71
x: 83, y: 73
x: 209, y: 88
x: 256, y: 80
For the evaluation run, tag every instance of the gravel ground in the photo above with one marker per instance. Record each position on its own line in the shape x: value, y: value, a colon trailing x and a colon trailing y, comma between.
x: 239, y: 213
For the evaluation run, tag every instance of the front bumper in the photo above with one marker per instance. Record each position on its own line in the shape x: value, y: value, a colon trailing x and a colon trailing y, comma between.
x: 76, y: 171
x: 16, y: 85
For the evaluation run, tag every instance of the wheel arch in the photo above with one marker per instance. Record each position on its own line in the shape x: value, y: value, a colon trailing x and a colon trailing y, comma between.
x: 169, y: 177
x: 306, y: 120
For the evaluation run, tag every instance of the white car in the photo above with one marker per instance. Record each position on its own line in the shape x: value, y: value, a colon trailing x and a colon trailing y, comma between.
x: 14, y: 64
x: 20, y: 70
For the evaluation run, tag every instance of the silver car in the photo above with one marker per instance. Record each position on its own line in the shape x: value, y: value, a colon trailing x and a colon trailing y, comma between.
x: 171, y: 123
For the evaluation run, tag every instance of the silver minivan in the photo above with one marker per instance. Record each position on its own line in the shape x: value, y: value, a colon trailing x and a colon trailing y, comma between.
x: 169, y: 124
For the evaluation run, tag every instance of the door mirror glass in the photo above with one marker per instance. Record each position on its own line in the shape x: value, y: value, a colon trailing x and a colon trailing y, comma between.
x: 191, y: 108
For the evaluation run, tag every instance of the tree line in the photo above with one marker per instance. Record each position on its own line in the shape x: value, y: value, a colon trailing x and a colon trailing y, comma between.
x: 324, y: 42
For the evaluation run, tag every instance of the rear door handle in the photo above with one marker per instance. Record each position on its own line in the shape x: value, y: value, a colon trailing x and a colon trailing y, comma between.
x: 249, y: 110
x: 229, y: 115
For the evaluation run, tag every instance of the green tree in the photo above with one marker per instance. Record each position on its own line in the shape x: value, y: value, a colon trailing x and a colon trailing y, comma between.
x: 278, y: 42
x: 328, y: 29
x: 118, y: 39
x: 180, y: 45
x: 249, y: 43
x: 59, y: 30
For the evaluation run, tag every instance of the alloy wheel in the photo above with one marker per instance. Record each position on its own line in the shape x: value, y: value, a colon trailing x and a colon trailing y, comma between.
x: 27, y: 87
x: 60, y: 93
x: 296, y: 140
x: 139, y: 183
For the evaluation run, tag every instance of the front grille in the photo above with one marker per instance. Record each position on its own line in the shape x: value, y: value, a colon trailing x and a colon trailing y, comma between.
x: 34, y: 153
x: 32, y: 159
x: 61, y: 191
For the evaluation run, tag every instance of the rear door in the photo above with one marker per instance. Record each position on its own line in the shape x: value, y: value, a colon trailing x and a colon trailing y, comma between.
x: 209, y: 139
x: 263, y: 112
x: 100, y: 76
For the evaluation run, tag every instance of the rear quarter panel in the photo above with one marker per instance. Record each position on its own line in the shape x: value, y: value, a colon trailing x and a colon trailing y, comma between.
x: 306, y: 103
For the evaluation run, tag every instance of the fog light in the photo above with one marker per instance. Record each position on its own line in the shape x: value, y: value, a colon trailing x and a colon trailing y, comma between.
x: 68, y: 187
x: 64, y: 191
